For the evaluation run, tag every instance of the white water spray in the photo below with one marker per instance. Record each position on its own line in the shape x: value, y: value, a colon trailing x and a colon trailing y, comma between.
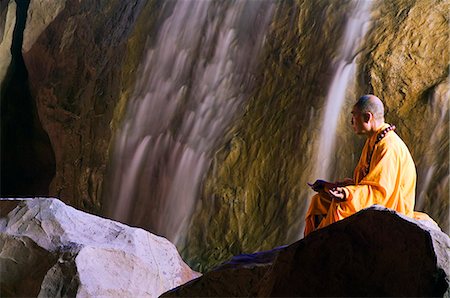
x: 429, y: 166
x: 194, y: 79
x: 356, y: 28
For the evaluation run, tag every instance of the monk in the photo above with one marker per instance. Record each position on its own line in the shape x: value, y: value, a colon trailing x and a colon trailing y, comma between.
x: 385, y: 174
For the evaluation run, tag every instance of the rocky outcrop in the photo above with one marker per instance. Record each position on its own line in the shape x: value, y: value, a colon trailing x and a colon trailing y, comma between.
x: 376, y: 252
x: 53, y: 250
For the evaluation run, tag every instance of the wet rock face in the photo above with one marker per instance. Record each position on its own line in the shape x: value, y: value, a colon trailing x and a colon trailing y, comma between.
x: 81, y: 58
x: 376, y: 252
x: 255, y: 193
x: 406, y: 64
x: 60, y: 251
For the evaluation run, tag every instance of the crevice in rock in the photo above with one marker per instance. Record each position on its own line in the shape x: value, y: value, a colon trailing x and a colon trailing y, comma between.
x: 27, y: 158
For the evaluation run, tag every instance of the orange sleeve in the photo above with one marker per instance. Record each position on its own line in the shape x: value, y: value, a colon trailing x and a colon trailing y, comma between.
x: 379, y: 184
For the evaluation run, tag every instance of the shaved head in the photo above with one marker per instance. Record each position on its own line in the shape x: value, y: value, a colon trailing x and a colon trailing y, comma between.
x: 371, y: 103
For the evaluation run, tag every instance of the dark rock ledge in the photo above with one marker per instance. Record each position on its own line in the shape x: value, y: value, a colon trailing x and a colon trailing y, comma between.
x: 376, y: 252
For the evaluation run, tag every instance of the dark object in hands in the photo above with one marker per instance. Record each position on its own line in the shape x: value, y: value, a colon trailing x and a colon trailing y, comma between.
x: 320, y: 185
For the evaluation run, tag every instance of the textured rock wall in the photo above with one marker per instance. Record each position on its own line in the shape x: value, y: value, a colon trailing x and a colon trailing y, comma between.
x: 82, y: 56
x: 75, y: 52
x: 27, y: 161
x: 7, y: 21
x: 407, y: 64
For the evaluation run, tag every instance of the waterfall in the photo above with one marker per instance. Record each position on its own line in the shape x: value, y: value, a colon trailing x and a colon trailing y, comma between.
x: 195, y: 77
x: 433, y: 176
x: 356, y: 27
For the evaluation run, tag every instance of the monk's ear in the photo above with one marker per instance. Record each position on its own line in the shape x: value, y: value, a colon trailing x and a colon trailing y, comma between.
x: 367, y: 116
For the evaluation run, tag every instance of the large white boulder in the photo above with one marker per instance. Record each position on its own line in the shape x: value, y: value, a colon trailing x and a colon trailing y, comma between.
x: 75, y: 253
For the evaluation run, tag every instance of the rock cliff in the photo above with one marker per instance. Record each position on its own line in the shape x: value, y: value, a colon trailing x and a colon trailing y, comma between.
x: 27, y: 160
x: 81, y: 60
x: 49, y: 249
x: 74, y: 53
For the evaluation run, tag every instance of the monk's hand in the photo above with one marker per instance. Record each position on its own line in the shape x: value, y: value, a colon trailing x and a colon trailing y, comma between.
x: 345, y: 182
x: 321, y: 185
x: 337, y: 193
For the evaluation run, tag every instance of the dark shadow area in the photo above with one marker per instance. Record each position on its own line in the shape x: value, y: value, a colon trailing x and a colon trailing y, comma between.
x: 27, y: 158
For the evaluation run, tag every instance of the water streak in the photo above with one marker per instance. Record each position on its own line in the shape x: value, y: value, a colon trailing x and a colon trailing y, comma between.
x: 356, y: 28
x: 194, y: 80
x: 430, y: 166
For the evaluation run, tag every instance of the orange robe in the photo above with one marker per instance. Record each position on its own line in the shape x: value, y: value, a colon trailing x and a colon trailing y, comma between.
x: 391, y: 182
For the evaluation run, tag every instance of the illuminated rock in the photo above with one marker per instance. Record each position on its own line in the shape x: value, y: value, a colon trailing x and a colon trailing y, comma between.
x: 7, y: 22
x: 95, y: 256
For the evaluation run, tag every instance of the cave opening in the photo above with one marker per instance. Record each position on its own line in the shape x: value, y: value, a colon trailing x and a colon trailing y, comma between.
x: 27, y: 157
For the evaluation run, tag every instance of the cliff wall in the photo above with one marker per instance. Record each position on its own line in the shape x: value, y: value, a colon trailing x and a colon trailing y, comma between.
x: 82, y: 58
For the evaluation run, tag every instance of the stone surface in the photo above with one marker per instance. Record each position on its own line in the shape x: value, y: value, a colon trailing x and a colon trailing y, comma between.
x: 26, y: 154
x: 73, y: 252
x: 82, y: 60
x: 75, y: 53
x: 40, y: 14
x: 23, y: 265
x: 376, y: 252
x: 239, y: 277
x: 7, y: 22
x: 406, y: 63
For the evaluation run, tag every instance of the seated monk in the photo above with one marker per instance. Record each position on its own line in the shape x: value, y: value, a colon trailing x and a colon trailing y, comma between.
x: 385, y: 174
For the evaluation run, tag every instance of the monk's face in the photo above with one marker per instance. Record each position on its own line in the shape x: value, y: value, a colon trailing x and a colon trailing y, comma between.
x: 359, y: 125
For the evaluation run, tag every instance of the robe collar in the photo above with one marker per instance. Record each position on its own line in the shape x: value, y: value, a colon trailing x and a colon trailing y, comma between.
x: 373, y: 138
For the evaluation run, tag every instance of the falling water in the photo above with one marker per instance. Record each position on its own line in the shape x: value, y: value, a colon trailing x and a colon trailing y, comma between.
x: 432, y: 173
x: 355, y: 30
x: 193, y: 81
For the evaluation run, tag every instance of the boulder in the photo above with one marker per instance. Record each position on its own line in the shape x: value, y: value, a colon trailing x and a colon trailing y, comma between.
x: 238, y: 277
x: 50, y: 249
x: 376, y: 252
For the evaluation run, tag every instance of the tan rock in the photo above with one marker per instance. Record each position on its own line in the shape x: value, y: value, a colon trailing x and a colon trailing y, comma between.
x: 40, y: 14
x: 23, y: 265
x: 7, y: 22
x: 97, y: 256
